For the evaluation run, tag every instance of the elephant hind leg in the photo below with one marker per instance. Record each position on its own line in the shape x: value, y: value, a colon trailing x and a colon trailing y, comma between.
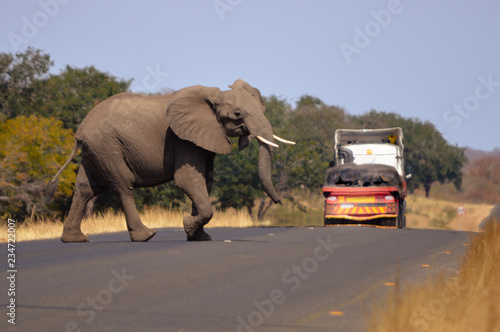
x: 85, y: 189
x: 137, y: 230
x: 89, y: 208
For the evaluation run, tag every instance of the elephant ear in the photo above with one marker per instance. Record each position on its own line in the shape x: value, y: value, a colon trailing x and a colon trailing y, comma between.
x: 191, y: 116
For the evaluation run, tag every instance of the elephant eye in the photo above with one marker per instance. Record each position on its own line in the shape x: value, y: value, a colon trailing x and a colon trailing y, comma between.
x: 237, y: 113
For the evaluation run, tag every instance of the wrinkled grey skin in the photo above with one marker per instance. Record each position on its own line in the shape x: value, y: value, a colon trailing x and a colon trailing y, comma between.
x: 131, y: 140
x: 350, y: 174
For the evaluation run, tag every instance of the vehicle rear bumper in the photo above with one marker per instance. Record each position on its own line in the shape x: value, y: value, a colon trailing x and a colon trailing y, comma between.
x: 360, y: 204
x: 358, y: 218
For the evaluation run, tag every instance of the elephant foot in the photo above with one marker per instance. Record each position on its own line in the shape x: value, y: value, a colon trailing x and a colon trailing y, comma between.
x: 199, y: 235
x: 142, y: 235
x: 194, y: 231
x: 75, y: 237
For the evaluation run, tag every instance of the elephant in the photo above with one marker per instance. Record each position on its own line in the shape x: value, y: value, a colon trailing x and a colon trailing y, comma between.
x: 132, y: 140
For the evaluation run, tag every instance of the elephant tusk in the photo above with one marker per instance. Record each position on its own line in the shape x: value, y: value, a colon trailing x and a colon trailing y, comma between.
x: 283, y: 140
x: 263, y: 140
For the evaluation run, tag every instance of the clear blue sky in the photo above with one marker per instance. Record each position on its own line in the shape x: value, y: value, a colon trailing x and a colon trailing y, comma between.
x: 433, y: 60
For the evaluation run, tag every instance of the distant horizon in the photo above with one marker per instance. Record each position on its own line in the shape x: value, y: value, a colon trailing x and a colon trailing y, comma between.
x: 494, y: 152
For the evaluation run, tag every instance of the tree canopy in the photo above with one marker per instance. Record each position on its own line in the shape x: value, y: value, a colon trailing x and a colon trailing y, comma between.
x: 27, y: 88
x: 70, y: 95
x: 31, y: 151
x: 40, y: 111
x: 33, y: 101
x: 19, y: 75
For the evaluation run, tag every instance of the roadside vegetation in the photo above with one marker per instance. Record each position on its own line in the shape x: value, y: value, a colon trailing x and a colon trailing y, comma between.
x: 467, y: 301
x: 443, y: 214
x: 40, y: 111
x: 40, y: 227
x: 308, y: 213
x: 301, y: 209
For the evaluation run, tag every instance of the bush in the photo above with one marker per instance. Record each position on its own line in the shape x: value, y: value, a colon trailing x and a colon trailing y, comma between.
x: 31, y: 151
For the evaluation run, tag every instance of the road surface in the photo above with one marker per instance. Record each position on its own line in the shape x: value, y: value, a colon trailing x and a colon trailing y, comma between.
x: 247, y: 279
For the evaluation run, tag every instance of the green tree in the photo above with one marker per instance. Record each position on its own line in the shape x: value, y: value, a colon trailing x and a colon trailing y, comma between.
x: 376, y: 120
x: 276, y: 112
x: 19, y: 75
x: 309, y: 101
x: 31, y: 151
x: 313, y: 128
x: 237, y: 183
x: 70, y: 95
x: 26, y: 88
x: 429, y: 157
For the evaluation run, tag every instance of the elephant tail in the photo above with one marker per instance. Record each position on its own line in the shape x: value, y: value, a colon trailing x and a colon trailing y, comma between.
x: 52, y: 185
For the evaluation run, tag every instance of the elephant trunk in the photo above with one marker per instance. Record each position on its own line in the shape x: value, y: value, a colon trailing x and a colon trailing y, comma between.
x: 265, y: 167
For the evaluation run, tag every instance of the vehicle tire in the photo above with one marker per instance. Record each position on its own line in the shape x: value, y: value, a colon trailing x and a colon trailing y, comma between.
x: 402, y: 214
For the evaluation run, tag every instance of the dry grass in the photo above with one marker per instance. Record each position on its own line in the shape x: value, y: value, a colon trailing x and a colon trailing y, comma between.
x: 111, y: 221
x: 422, y: 213
x: 469, y: 301
x: 433, y: 213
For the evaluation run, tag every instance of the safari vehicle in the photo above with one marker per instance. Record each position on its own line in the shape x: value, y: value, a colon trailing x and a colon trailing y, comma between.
x: 366, y: 182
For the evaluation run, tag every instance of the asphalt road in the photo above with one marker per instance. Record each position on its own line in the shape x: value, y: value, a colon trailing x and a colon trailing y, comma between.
x: 250, y: 279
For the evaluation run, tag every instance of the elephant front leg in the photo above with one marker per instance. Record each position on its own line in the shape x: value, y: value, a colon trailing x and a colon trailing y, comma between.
x: 193, y: 225
x: 193, y: 183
